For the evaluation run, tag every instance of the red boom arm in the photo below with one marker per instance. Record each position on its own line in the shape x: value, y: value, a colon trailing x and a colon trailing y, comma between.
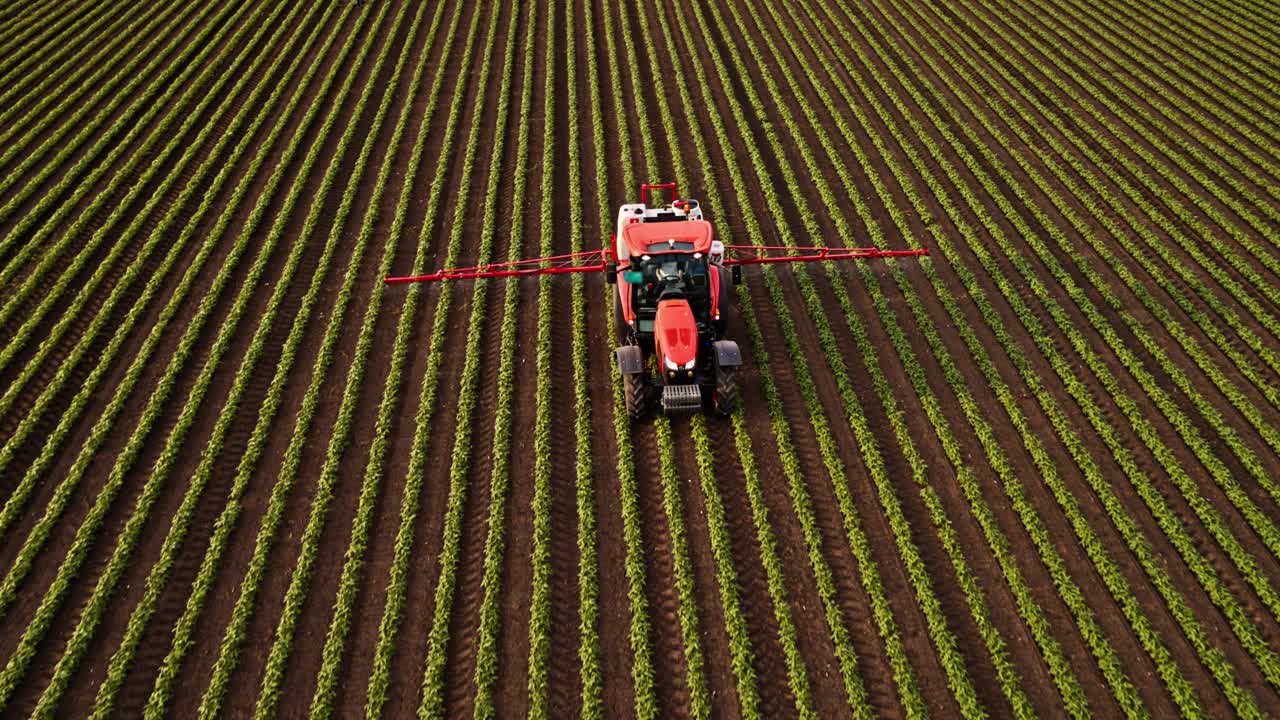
x: 598, y: 261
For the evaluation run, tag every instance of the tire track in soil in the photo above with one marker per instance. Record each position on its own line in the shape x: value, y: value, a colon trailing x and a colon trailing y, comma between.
x: 1109, y: 615
x: 75, y: 511
x: 155, y: 643
x: 46, y: 563
x: 464, y: 616
x: 615, y: 612
x: 407, y: 662
x: 564, y: 666
x: 773, y: 683
x: 873, y: 662
x: 671, y: 671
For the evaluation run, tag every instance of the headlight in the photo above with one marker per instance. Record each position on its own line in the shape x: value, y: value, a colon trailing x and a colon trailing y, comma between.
x: 670, y: 365
x: 689, y: 365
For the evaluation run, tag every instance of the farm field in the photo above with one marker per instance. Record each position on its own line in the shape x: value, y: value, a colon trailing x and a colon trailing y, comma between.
x: 1036, y: 474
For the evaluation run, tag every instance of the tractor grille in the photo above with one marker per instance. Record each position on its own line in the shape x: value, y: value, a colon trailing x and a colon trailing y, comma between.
x: 681, y: 398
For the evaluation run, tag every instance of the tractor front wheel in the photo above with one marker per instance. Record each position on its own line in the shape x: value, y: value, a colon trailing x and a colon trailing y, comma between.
x: 726, y: 397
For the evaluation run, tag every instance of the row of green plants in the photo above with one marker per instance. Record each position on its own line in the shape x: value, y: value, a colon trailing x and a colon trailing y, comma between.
x: 86, y: 535
x: 43, y: 69
x: 1230, y: 486
x: 29, y: 236
x: 1208, y: 516
x: 996, y: 646
x: 91, y: 114
x: 1033, y: 615
x: 644, y: 682
x: 1132, y: 35
x: 300, y: 582
x: 540, y: 598
x: 17, y: 26
x: 36, y: 471
x: 856, y: 692
x: 1116, y: 116
x: 118, y: 243
x: 1219, y: 150
x: 1059, y: 363
x: 92, y: 614
x: 590, y: 653
x: 329, y: 675
x: 1104, y: 654
x: 225, y: 524
x: 72, y: 411
x: 883, y: 616
x: 952, y: 661
x: 398, y: 580
x: 432, y: 702
x: 29, y: 71
x: 1252, y: 39
x: 726, y: 576
x: 1229, y: 390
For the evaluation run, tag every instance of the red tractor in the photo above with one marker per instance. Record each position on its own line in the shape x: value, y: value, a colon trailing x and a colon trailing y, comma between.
x: 672, y: 278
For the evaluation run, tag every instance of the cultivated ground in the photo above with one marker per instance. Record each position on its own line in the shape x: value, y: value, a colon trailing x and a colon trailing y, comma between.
x: 1035, y: 474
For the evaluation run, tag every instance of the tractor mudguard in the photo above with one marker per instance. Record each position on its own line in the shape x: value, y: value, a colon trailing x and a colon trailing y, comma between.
x: 727, y: 354
x: 630, y: 359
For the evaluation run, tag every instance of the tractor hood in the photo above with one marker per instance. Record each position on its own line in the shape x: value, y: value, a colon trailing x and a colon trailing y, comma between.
x: 675, y: 332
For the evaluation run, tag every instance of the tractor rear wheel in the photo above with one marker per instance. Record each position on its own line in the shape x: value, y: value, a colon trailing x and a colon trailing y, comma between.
x: 726, y: 397
x: 636, y: 388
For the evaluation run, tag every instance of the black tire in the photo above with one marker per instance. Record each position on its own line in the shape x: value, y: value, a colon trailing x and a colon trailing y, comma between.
x: 636, y: 389
x: 726, y: 398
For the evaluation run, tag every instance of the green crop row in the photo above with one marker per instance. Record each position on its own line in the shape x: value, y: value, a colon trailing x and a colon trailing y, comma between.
x: 36, y: 167
x: 26, y: 236
x: 1216, y: 19
x: 40, y: 57
x: 23, y: 78
x: 540, y: 599
x: 1031, y: 612
x: 741, y: 657
x: 1228, y: 389
x: 16, y: 28
x: 1010, y: 682
x: 398, y: 579
x: 1103, y: 652
x: 432, y: 703
x: 825, y: 580
x: 589, y: 651
x: 88, y: 530
x: 1264, y: 527
x: 642, y: 663
x: 349, y: 587
x: 949, y: 655
x: 89, y: 289
x: 1051, y: 353
x: 1116, y: 116
x: 1208, y: 516
x: 66, y: 487
x: 92, y: 614
x: 44, y: 401
x: 1151, y: 49
x: 230, y: 513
